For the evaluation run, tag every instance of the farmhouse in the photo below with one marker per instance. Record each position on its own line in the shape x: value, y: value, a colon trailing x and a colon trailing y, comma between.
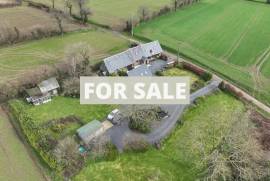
x: 141, y: 54
x: 43, y: 92
x: 141, y: 70
x: 92, y: 130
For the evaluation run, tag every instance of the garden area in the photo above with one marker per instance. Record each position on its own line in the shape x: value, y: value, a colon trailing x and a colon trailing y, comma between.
x: 196, y: 82
x: 50, y: 129
x: 183, y: 155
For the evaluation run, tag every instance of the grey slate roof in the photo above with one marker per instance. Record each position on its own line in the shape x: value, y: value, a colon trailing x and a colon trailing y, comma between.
x: 141, y: 70
x: 86, y: 132
x: 48, y: 85
x: 132, y: 55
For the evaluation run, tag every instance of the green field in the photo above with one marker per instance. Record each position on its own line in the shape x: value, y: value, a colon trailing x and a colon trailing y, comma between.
x: 179, y: 158
x: 230, y: 37
x: 19, y: 59
x: 14, y: 158
x: 113, y: 13
x: 61, y: 107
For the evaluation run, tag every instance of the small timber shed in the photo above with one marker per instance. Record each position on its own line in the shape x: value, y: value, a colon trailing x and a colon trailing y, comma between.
x: 90, y: 131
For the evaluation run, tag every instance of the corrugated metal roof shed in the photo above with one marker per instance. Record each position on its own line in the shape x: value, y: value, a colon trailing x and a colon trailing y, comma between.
x: 141, y: 70
x: 48, y: 85
x: 87, y: 131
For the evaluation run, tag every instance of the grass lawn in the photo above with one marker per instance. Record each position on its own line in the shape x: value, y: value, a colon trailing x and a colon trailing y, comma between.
x: 113, y: 12
x: 19, y: 59
x: 172, y: 72
x: 15, y: 162
x: 223, y: 36
x: 61, y: 107
x: 179, y: 158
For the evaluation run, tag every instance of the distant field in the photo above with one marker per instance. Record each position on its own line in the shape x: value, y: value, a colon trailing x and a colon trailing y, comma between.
x: 179, y: 158
x: 28, y: 20
x: 7, y: 2
x: 230, y: 37
x: 114, y: 12
x: 19, y: 59
x: 15, y: 162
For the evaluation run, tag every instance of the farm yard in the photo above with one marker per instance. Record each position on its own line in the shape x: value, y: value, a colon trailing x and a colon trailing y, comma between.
x: 179, y: 158
x: 24, y: 23
x: 14, y: 156
x: 113, y: 13
x: 223, y: 36
x: 22, y: 58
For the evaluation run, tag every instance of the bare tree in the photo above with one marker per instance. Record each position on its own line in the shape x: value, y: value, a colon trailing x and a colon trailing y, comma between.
x: 68, y: 157
x: 77, y: 58
x: 175, y: 4
x: 69, y: 5
x: 84, y: 10
x: 238, y: 156
x: 143, y: 13
x: 53, y: 2
x: 58, y: 18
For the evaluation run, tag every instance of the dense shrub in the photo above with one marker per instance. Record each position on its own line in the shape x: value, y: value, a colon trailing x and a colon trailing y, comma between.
x: 197, y: 85
x: 206, y: 76
x: 159, y: 73
x: 68, y: 157
x: 102, y: 149
x: 71, y: 87
x: 140, y: 125
x: 47, y: 143
x: 35, y: 136
x: 122, y: 72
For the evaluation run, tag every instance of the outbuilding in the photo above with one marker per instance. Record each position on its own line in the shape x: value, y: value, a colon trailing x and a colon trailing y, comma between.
x: 43, y: 92
x: 92, y: 130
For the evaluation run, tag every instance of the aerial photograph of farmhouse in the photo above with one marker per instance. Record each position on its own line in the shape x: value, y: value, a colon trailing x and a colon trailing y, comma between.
x: 221, y: 46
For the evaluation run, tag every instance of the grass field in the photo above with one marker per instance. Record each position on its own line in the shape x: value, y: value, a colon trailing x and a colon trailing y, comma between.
x: 61, y: 107
x: 222, y: 35
x: 15, y: 162
x: 5, y: 2
x: 28, y: 20
x: 179, y: 158
x: 19, y: 59
x: 113, y: 12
